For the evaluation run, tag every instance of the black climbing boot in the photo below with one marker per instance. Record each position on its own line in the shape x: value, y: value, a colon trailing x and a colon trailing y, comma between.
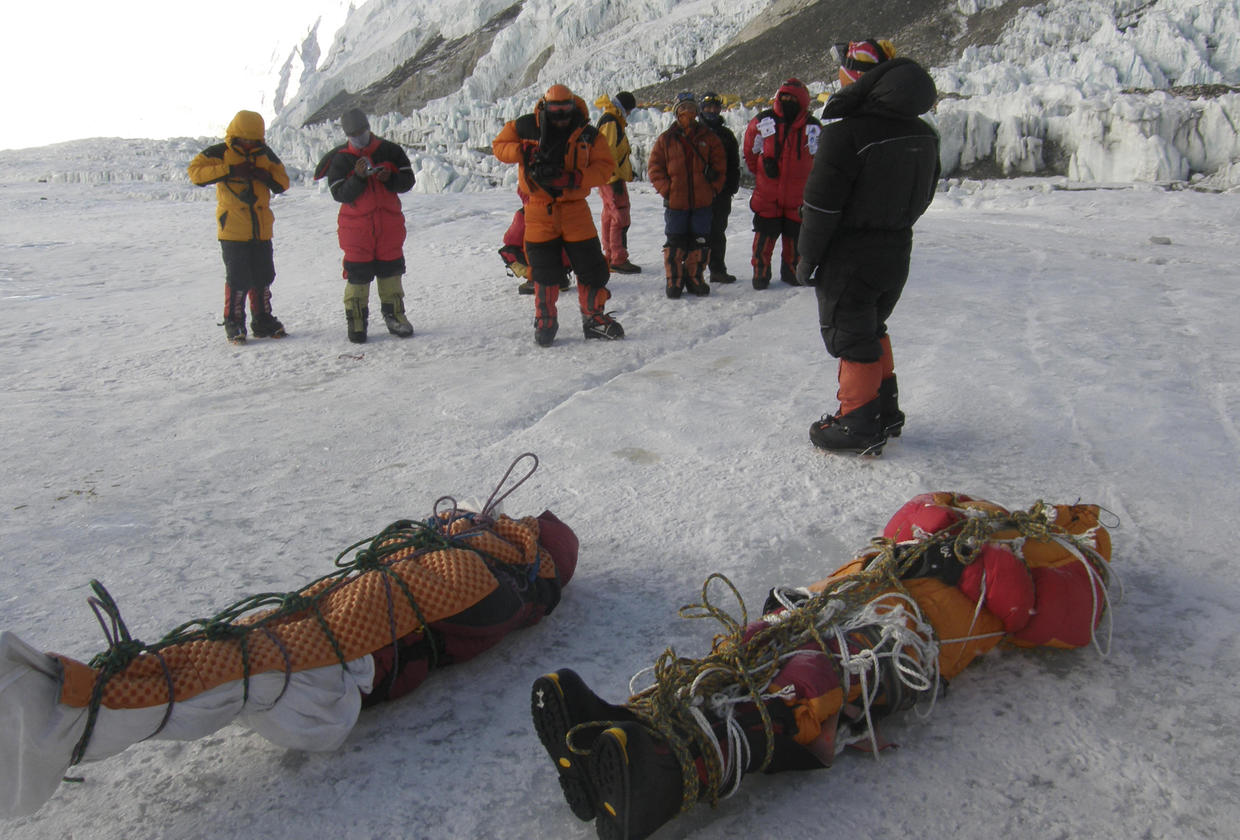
x: 858, y: 431
x: 558, y: 702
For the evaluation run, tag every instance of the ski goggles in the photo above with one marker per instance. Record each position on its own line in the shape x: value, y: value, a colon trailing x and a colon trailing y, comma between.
x: 560, y: 109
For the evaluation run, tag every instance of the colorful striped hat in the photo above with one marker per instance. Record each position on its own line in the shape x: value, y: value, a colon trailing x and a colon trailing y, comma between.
x: 862, y: 56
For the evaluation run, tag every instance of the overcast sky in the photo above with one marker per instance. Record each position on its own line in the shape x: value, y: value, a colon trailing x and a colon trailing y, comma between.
x: 138, y: 68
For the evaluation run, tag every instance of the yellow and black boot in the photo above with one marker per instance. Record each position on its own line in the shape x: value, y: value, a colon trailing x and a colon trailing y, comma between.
x: 559, y: 702
x: 638, y: 785
x: 357, y: 310
x: 392, y: 305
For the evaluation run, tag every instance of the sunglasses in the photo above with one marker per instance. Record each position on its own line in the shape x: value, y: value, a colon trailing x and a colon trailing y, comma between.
x: 560, y: 110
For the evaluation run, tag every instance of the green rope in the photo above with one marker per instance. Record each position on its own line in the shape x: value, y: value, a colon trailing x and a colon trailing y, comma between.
x: 403, y: 537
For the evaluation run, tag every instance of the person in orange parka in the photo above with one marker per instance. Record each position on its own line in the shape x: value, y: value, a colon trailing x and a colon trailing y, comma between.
x: 687, y: 167
x: 561, y: 158
x: 779, y: 148
x: 246, y: 173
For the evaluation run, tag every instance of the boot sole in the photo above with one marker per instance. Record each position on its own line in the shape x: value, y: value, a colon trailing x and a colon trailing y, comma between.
x: 609, y: 771
x: 552, y: 722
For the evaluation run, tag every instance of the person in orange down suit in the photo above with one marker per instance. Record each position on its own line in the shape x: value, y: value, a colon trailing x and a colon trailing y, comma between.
x: 561, y: 157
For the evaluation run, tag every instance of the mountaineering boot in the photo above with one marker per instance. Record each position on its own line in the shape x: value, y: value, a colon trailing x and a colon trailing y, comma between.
x: 721, y: 275
x: 637, y: 782
x: 695, y: 267
x: 859, y: 431
x: 234, y: 314
x: 626, y: 267
x: 234, y: 331
x: 890, y: 415
x: 763, y: 250
x: 392, y: 305
x: 526, y: 288
x: 672, y: 266
x: 357, y: 310
x: 394, y: 318
x: 546, y: 324
x: 265, y: 325
x: 558, y: 702
x: 262, y: 323
x: 595, y: 323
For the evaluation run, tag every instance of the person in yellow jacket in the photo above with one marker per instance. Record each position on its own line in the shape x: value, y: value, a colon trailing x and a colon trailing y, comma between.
x: 245, y: 173
x: 615, y: 193
x: 561, y: 158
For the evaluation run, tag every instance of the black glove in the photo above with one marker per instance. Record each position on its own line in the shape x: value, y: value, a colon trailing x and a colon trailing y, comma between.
x: 771, y: 167
x: 805, y: 274
x: 242, y: 170
x: 545, y: 171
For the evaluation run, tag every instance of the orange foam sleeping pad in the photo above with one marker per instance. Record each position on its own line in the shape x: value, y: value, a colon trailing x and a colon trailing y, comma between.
x: 358, y: 611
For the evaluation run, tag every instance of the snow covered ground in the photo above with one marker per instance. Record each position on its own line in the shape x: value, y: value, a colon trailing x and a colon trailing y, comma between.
x: 1051, y: 345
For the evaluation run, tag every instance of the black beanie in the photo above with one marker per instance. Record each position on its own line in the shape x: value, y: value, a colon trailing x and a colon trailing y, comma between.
x: 626, y: 100
x: 354, y: 122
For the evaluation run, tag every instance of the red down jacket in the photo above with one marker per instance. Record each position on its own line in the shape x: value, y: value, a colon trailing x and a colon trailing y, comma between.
x: 775, y: 144
x: 371, y: 223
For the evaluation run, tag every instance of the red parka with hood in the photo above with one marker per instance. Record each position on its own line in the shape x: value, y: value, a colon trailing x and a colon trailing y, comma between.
x: 779, y: 150
x: 371, y: 223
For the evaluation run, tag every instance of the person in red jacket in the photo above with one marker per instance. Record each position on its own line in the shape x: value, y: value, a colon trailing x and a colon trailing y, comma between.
x: 561, y: 157
x: 779, y: 148
x: 687, y: 167
x: 366, y: 175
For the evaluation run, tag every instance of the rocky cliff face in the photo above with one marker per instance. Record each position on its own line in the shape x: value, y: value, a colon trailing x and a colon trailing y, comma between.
x: 786, y: 38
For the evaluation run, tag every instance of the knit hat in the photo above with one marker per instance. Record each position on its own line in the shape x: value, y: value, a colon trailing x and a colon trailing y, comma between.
x: 354, y: 122
x: 685, y: 100
x: 711, y: 98
x: 626, y: 101
x: 862, y: 56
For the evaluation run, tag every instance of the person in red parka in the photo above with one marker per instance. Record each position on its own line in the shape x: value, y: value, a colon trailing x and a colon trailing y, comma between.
x: 561, y: 158
x: 366, y: 175
x: 779, y: 148
x: 687, y: 167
